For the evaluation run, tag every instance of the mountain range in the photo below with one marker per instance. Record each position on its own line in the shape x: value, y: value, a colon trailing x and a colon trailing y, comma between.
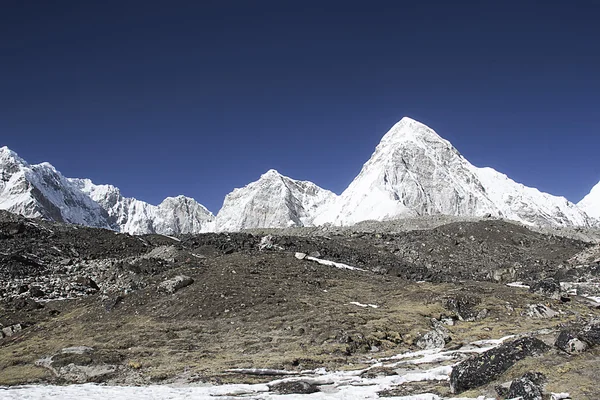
x: 413, y: 172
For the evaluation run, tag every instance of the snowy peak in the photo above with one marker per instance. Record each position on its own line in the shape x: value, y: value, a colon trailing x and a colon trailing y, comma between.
x: 273, y: 201
x: 414, y: 171
x: 591, y: 203
x: 40, y: 191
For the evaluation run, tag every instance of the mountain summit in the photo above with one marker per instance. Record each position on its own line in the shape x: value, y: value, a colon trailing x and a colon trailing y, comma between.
x: 40, y: 191
x: 414, y: 172
x: 273, y: 201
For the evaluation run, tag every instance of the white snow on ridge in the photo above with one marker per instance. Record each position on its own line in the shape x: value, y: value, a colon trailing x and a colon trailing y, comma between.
x: 412, y: 172
x: 591, y: 203
x: 415, y: 172
x: 274, y: 201
x: 40, y: 191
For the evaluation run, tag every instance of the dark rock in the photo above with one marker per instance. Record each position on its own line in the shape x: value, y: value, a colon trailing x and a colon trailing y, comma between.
x: 547, y: 288
x: 528, y: 387
x: 463, y: 306
x: 568, y: 341
x: 294, y: 387
x: 87, y: 282
x: 35, y: 291
x: 485, y: 367
x: 591, y: 334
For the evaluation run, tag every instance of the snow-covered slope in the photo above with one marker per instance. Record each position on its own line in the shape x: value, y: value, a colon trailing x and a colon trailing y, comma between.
x: 591, y: 203
x: 274, y: 201
x: 41, y: 191
x: 414, y: 171
x: 173, y: 216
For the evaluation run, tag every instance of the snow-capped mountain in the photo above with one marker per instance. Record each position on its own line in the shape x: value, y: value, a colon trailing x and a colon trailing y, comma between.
x: 41, y: 191
x: 274, y: 201
x: 591, y: 203
x: 414, y: 171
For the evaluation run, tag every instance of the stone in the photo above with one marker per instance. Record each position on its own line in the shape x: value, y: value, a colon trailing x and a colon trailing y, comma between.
x: 294, y: 387
x: 568, y: 342
x: 35, y: 291
x: 463, y: 306
x: 540, y: 311
x: 266, y: 243
x: 11, y: 330
x: 175, y: 284
x: 87, y: 282
x: 436, y: 338
x: 489, y: 365
x: 528, y: 387
x: 547, y: 288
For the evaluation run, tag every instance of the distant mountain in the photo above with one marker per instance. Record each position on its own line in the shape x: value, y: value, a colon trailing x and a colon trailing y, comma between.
x: 414, y: 171
x: 591, y: 203
x: 41, y: 191
x: 273, y: 201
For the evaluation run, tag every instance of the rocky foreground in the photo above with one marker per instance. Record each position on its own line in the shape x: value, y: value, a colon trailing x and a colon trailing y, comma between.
x: 463, y: 309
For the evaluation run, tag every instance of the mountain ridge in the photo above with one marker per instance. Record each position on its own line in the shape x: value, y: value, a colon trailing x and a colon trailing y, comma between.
x: 412, y: 172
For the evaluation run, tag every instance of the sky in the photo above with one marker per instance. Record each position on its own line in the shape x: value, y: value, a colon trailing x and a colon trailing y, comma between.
x: 161, y: 98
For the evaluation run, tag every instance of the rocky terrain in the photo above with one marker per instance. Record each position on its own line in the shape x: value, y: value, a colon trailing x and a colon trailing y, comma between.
x: 462, y: 308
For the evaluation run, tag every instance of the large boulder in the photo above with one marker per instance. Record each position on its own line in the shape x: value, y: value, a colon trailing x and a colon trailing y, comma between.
x: 568, y: 342
x: 487, y: 366
x: 174, y: 284
x: 547, y: 288
x: 528, y: 387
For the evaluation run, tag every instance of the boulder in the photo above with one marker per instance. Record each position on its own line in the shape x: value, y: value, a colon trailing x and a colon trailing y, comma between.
x: 487, y: 366
x: 540, y: 311
x: 568, y: 341
x: 436, y: 338
x: 547, y: 288
x: 463, y: 306
x: 294, y: 387
x: 528, y: 387
x: 175, y: 284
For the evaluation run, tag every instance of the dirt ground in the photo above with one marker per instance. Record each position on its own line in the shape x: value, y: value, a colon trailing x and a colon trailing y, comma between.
x: 264, y: 308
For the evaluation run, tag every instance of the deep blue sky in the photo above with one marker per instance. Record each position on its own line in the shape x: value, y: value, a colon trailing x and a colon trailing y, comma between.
x: 199, y: 97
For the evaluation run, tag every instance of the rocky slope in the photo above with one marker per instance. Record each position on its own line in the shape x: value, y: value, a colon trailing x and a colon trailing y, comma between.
x: 274, y: 201
x: 591, y: 203
x: 422, y: 313
x: 414, y: 171
x: 41, y: 191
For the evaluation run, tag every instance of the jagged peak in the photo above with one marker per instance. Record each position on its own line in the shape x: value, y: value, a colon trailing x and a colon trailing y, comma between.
x: 410, y: 130
x: 7, y: 154
x: 272, y: 173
